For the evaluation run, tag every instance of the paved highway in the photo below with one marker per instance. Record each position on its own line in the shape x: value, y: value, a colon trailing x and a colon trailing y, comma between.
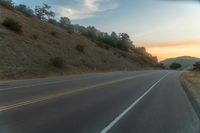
x: 116, y: 102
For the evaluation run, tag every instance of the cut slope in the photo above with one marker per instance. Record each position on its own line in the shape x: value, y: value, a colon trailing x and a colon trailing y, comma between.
x: 29, y: 54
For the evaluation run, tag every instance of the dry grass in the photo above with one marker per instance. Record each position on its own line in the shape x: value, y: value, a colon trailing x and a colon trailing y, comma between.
x: 29, y: 54
x: 192, y: 82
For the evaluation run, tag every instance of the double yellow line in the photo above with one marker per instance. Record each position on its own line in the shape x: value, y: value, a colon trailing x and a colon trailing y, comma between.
x: 41, y: 99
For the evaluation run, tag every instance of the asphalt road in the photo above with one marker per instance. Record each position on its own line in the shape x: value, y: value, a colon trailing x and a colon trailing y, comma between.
x: 117, y: 102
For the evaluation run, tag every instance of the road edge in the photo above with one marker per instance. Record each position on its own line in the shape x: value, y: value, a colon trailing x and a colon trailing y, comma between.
x: 190, y: 97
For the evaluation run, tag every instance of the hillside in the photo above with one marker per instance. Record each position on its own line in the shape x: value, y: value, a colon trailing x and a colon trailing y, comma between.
x: 185, y: 61
x: 29, y: 54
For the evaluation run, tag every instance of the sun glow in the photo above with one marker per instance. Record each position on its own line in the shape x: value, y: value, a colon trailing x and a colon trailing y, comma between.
x: 175, y: 49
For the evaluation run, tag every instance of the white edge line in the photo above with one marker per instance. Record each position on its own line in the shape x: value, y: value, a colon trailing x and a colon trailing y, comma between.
x: 109, y: 126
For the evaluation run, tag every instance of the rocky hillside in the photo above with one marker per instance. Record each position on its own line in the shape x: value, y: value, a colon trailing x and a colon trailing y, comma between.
x: 43, y: 49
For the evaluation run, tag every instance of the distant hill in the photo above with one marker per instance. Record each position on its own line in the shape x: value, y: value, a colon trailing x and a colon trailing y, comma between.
x: 185, y: 61
x: 31, y: 53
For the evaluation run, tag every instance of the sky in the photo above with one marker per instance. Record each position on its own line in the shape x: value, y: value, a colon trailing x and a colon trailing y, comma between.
x: 167, y: 28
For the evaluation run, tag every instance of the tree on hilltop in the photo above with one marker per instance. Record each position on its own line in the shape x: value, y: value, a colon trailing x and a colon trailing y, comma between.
x: 44, y: 12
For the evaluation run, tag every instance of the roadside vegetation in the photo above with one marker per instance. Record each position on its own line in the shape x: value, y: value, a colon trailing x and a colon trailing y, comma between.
x: 7, y: 4
x: 57, y: 62
x: 47, y: 46
x: 197, y: 66
x: 191, y: 81
x: 44, y: 13
x: 175, y: 66
x: 12, y: 25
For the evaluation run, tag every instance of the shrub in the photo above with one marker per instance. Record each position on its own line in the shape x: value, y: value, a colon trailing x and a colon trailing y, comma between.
x: 175, y: 66
x: 53, y: 21
x: 12, y: 25
x: 103, y: 45
x: 197, y: 66
x: 35, y: 37
x: 122, y: 46
x: 70, y: 31
x: 106, y: 47
x: 123, y: 54
x: 57, y: 62
x: 25, y: 10
x: 80, y: 48
x: 54, y: 33
x: 7, y: 3
x: 162, y: 65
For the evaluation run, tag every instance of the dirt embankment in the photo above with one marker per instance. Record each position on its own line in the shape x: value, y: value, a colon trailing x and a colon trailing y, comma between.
x: 29, y: 54
x: 191, y: 83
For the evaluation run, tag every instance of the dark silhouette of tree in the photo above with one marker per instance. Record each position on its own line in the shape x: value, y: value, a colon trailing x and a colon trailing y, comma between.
x: 44, y: 12
x: 175, y: 66
x: 162, y: 65
x: 7, y: 3
x: 53, y: 21
x: 124, y: 42
x: 65, y: 21
x: 25, y: 10
x: 197, y: 66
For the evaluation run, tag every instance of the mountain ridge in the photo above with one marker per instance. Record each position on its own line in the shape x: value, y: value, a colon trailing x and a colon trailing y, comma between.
x: 186, y: 61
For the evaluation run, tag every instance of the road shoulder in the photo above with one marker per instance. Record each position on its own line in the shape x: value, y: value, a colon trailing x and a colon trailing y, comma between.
x: 191, y: 84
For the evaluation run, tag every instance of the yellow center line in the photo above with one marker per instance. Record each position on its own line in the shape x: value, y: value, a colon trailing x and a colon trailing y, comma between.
x: 20, y: 104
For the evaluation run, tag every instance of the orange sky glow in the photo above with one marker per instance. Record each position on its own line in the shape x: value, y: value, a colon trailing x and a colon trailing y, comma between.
x: 175, y: 49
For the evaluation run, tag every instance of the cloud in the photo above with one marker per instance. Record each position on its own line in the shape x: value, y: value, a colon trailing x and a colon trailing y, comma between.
x: 86, y: 8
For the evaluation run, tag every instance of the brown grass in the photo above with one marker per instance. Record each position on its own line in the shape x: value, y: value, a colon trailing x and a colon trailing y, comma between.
x: 28, y: 55
x: 192, y: 82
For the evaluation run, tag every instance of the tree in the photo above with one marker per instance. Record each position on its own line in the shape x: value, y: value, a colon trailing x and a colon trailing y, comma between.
x: 175, y: 66
x: 25, y: 10
x: 124, y: 36
x: 65, y: 21
x: 53, y: 21
x: 7, y: 3
x: 125, y: 42
x: 162, y: 65
x: 44, y: 12
x: 197, y: 66
x: 140, y: 49
x: 114, y: 36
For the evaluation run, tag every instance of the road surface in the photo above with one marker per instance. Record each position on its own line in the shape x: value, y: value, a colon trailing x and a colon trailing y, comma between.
x: 116, y: 102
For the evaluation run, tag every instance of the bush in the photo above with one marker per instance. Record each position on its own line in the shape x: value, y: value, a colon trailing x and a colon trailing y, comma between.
x: 35, y: 37
x: 25, y: 10
x: 70, y: 31
x: 162, y: 65
x: 80, y: 48
x: 53, y: 21
x: 54, y: 33
x: 175, y: 66
x: 7, y: 3
x: 122, y: 46
x: 197, y: 66
x: 12, y: 25
x: 57, y: 62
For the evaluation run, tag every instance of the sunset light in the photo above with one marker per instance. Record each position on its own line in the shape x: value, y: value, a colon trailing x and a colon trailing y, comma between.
x: 175, y: 49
